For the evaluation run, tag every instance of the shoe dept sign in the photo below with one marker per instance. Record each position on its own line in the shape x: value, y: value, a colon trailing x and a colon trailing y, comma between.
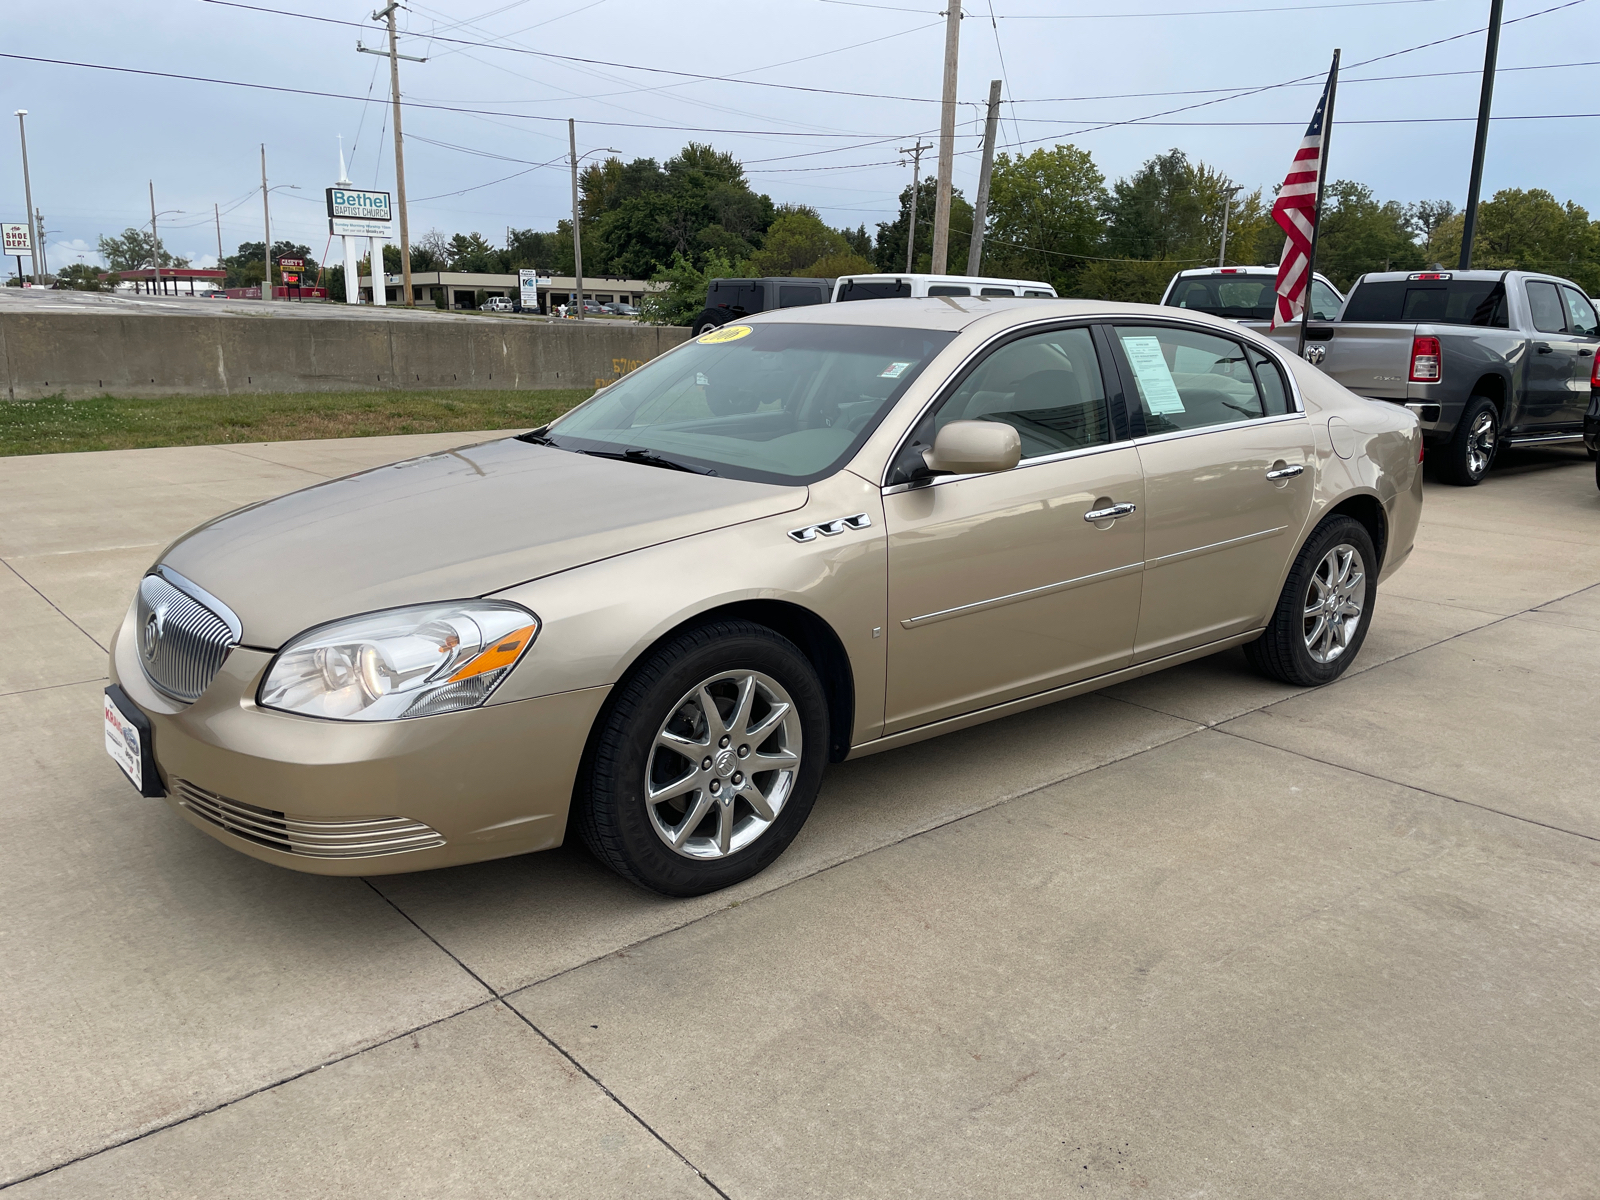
x: 353, y: 213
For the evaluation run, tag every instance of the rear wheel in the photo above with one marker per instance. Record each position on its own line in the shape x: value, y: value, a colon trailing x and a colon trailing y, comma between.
x: 707, y: 762
x: 705, y: 323
x: 1324, y: 609
x: 1470, y: 452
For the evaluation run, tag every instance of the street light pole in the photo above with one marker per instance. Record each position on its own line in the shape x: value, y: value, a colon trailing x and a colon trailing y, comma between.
x: 1469, y: 223
x: 577, y: 237
x: 947, y: 139
x: 155, y: 242
x: 266, y: 230
x: 27, y: 193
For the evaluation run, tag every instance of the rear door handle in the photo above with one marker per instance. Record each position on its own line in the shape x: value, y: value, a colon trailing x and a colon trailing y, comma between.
x: 1287, y: 472
x: 1543, y: 348
x: 1109, y: 514
x: 1585, y: 353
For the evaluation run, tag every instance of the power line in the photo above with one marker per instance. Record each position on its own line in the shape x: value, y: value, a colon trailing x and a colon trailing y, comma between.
x: 271, y: 87
x: 602, y: 62
x: 1113, y: 16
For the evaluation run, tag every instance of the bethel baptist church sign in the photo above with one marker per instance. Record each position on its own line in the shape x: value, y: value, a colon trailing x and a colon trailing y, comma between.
x: 354, y: 213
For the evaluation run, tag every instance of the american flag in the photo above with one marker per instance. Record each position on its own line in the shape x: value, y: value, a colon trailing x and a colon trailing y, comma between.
x: 1296, y: 213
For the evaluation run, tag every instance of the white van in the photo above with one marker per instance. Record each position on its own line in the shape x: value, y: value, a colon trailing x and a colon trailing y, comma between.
x: 883, y: 287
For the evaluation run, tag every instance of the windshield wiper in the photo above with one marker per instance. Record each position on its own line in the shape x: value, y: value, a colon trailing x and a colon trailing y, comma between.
x: 536, y: 436
x: 649, y: 458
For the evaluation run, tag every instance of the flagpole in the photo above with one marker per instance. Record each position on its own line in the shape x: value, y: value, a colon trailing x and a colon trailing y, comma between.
x: 1322, y: 178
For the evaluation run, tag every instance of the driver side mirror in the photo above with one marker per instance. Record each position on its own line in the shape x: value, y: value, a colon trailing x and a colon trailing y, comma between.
x: 974, y: 448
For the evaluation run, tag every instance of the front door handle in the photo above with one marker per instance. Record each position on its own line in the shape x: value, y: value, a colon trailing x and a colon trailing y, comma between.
x: 1109, y: 514
x: 1288, y: 472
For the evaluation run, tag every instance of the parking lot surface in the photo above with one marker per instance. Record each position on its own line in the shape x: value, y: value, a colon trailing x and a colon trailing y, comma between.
x: 1196, y: 935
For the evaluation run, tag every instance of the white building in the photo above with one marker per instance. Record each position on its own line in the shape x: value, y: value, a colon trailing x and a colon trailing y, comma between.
x: 461, y: 288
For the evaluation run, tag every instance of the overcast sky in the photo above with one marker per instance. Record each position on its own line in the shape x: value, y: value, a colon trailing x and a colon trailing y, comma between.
x: 95, y: 137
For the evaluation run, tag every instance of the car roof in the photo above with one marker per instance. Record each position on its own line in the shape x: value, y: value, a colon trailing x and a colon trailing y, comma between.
x: 958, y: 313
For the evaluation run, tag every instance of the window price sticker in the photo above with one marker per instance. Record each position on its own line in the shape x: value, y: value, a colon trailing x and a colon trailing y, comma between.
x: 1150, y: 371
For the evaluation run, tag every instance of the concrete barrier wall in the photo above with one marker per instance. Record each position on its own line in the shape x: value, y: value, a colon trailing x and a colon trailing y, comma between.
x: 99, y: 354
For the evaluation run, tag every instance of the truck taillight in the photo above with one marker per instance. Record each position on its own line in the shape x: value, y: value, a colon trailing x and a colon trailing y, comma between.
x: 1594, y: 375
x: 1425, y: 367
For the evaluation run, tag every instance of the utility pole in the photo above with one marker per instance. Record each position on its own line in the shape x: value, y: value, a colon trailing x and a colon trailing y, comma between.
x: 27, y: 195
x: 44, y: 256
x: 947, y: 139
x: 155, y: 241
x: 266, y: 228
x: 577, y: 237
x: 1490, y: 53
x: 1227, y: 203
x: 399, y: 157
x: 980, y: 213
x: 217, y: 212
x: 916, y: 180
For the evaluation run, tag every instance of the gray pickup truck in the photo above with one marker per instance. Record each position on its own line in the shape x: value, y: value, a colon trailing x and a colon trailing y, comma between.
x: 1484, y: 358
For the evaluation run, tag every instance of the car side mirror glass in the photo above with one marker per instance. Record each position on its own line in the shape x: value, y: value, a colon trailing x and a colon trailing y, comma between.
x: 974, y: 448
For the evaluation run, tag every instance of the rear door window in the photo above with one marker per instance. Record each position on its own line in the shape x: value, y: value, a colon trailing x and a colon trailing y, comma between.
x: 874, y: 289
x: 1186, y: 379
x: 1580, y: 312
x: 792, y: 295
x: 1544, y: 302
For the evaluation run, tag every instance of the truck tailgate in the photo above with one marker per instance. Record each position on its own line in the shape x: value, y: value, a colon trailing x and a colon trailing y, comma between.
x: 1370, y: 359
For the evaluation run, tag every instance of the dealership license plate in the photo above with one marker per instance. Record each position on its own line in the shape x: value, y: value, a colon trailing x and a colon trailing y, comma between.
x: 125, y: 744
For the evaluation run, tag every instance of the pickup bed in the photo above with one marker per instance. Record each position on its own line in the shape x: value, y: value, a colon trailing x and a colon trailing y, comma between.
x: 1484, y: 358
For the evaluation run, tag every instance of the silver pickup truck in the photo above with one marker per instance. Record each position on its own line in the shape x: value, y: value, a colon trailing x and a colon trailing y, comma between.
x: 1484, y: 358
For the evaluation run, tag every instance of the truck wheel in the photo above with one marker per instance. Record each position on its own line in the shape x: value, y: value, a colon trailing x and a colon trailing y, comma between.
x: 1470, y: 451
x: 1324, y: 610
x: 704, y: 322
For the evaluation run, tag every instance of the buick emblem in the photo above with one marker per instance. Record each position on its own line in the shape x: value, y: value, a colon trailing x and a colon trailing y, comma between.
x: 153, y: 625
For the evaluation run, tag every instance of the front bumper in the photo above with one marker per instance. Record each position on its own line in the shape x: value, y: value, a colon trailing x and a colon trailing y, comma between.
x: 362, y: 798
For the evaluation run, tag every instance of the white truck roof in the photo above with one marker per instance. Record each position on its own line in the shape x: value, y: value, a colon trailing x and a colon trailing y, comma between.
x: 915, y: 284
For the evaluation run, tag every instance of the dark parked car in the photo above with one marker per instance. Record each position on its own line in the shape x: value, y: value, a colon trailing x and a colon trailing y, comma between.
x: 728, y: 299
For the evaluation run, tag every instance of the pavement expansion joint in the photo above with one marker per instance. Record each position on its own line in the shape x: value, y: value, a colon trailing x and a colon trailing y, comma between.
x: 48, y: 687
x: 242, y: 1096
x: 54, y: 605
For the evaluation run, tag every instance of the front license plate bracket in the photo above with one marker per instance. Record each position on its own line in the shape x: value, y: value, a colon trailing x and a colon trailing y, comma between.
x: 131, y: 753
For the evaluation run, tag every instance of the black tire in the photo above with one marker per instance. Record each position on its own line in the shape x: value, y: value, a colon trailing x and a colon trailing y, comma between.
x: 1597, y: 474
x: 706, y: 322
x: 613, y: 817
x: 1282, y: 652
x: 1462, y: 461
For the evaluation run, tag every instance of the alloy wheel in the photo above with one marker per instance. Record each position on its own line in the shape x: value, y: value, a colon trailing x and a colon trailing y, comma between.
x: 723, y: 765
x: 1334, y: 601
x: 1481, y: 443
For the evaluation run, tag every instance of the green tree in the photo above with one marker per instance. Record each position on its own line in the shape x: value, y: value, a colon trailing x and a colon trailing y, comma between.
x: 244, y: 268
x: 131, y: 251
x: 1533, y: 231
x: 1171, y: 208
x: 1358, y: 234
x: 471, y: 252
x: 891, y: 245
x: 81, y: 277
x: 684, y: 296
x: 1128, y: 282
x: 795, y: 240
x: 1044, y: 212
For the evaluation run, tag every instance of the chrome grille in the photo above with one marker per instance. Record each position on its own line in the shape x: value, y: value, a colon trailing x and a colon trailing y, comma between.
x: 318, y: 837
x: 185, y: 634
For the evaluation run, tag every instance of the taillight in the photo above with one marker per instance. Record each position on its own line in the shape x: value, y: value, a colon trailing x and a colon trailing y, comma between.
x: 1594, y: 375
x: 1425, y: 365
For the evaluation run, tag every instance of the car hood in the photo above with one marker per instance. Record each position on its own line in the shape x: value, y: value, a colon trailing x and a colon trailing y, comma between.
x: 465, y: 522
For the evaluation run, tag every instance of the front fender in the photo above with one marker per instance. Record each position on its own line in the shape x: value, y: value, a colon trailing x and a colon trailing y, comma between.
x: 598, y: 619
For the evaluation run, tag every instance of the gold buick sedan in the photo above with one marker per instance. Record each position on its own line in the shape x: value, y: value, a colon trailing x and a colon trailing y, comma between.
x: 815, y: 535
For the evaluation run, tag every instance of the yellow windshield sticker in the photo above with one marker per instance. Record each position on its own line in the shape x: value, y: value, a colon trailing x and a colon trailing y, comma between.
x: 728, y: 333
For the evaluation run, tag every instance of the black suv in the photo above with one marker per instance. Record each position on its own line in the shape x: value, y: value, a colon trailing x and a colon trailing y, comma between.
x: 728, y: 299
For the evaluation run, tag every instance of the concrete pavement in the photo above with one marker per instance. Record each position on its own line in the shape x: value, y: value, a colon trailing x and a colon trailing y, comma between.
x: 1199, y: 934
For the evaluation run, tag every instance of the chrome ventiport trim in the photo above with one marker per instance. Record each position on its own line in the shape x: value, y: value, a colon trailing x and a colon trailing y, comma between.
x: 315, y: 837
x: 831, y: 528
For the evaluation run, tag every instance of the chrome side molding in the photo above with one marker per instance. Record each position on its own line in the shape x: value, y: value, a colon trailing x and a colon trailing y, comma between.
x: 831, y: 528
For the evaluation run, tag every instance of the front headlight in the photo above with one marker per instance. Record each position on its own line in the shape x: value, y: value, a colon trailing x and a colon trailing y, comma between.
x: 407, y: 662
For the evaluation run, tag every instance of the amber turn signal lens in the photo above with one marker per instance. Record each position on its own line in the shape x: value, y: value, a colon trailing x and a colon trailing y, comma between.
x: 502, y: 654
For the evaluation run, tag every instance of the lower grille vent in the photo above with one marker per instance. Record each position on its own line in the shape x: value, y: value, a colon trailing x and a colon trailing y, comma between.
x: 317, y: 837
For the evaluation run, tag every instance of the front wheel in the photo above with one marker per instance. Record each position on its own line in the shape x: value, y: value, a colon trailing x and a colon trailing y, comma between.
x: 1470, y: 451
x: 707, y: 761
x: 1324, y: 610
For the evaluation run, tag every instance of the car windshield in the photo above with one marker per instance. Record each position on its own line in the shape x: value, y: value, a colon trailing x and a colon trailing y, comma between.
x: 774, y: 403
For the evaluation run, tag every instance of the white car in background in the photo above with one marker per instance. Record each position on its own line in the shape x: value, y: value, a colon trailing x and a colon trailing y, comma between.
x: 1245, y: 294
x: 888, y: 287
